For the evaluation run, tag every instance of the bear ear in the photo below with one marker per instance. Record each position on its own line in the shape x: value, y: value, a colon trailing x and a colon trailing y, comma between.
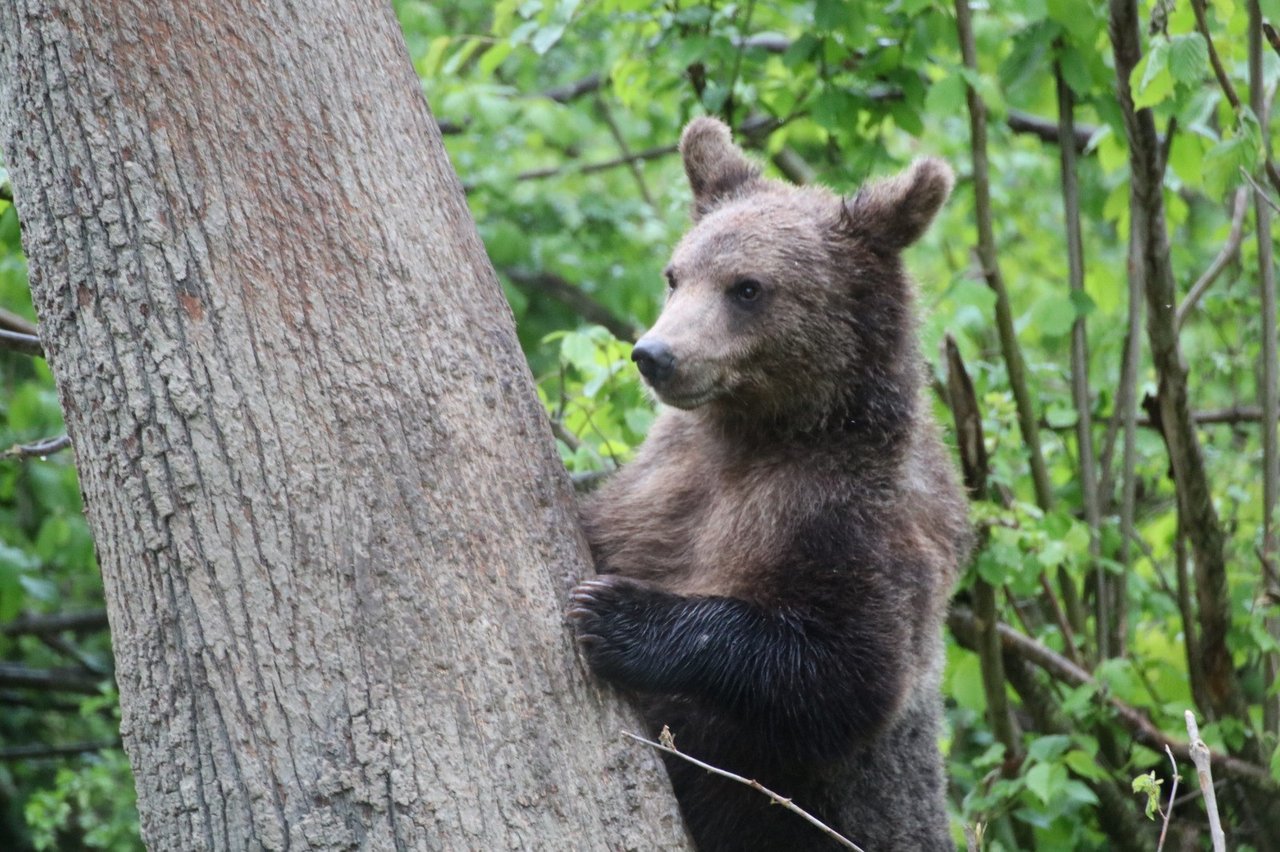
x: 717, y: 169
x: 894, y: 213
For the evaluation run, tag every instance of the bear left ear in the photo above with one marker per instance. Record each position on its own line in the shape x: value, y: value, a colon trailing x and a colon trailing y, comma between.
x: 894, y: 213
x: 717, y: 168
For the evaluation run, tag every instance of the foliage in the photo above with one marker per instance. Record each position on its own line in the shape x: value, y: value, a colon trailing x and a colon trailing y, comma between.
x: 560, y: 119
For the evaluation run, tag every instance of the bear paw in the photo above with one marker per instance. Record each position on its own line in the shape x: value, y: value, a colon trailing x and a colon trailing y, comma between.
x: 609, y: 614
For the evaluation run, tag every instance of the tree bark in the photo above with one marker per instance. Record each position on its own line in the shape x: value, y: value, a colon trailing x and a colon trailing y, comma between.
x: 334, y: 535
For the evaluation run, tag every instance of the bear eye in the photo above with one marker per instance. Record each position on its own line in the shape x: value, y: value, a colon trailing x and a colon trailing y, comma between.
x: 746, y: 290
x: 671, y: 278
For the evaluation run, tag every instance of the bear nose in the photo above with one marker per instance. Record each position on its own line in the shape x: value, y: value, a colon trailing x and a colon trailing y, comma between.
x: 654, y: 359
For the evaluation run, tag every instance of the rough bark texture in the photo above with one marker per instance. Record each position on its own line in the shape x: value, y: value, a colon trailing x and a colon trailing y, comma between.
x: 333, y: 532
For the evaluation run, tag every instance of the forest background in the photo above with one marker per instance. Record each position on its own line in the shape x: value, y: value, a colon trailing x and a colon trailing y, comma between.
x: 1111, y: 397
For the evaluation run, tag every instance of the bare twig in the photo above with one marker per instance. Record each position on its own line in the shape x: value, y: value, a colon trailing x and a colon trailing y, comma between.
x: 1239, y: 206
x: 27, y: 344
x: 38, y: 449
x: 1202, y: 26
x: 1261, y: 192
x: 669, y: 748
x: 1204, y: 771
x: 1173, y: 793
x: 634, y: 165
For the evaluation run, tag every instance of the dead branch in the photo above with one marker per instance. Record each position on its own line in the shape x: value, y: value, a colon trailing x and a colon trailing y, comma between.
x: 668, y: 747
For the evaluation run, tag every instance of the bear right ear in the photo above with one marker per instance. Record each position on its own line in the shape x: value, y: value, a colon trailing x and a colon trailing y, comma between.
x: 717, y: 169
x: 892, y: 214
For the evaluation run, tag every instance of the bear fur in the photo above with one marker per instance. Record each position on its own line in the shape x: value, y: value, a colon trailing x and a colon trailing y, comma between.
x: 776, y: 562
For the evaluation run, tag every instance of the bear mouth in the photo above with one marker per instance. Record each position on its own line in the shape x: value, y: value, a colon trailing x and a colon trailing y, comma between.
x: 687, y: 400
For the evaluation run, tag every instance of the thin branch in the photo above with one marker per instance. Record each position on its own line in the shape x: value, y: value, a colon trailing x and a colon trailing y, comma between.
x: 1200, y: 756
x: 754, y: 785
x: 9, y: 321
x: 1239, y: 206
x: 37, y: 449
x: 1173, y: 794
x: 27, y: 344
x: 1202, y: 26
x: 988, y: 258
x: 1108, y: 617
x: 575, y: 298
x: 634, y: 165
x: 1261, y: 192
x: 963, y: 624
x: 39, y: 751
x: 53, y: 680
x: 72, y: 622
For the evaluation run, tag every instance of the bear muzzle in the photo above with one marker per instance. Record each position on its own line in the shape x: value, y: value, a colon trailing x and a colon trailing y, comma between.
x: 654, y: 359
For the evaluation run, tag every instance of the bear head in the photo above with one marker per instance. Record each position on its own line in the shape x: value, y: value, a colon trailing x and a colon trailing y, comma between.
x: 788, y: 307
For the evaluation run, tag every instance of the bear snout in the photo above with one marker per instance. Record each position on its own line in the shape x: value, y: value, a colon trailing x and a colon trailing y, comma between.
x: 654, y: 359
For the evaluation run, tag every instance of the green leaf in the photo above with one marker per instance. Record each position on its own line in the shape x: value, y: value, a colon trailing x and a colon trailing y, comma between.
x: 1188, y: 58
x: 1045, y: 779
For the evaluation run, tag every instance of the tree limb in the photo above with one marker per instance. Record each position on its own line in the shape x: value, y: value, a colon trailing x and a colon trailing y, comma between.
x: 53, y: 680
x: 72, y: 622
x: 575, y: 298
x: 1239, y: 205
x: 964, y: 624
x: 27, y: 344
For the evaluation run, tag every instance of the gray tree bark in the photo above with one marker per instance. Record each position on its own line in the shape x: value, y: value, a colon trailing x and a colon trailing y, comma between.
x: 334, y: 535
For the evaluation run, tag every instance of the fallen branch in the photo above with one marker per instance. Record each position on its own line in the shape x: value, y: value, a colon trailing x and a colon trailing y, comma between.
x: 668, y: 746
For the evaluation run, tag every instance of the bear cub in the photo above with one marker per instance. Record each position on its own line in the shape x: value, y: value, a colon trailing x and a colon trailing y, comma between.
x: 775, y: 564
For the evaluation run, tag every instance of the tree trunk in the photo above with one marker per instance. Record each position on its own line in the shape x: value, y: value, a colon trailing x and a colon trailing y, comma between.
x: 334, y: 535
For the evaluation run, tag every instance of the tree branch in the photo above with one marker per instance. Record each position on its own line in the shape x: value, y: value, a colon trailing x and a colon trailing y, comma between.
x: 27, y: 344
x: 37, y: 449
x: 575, y: 298
x: 9, y: 321
x: 753, y: 784
x: 1195, y: 503
x: 38, y: 751
x: 1239, y: 205
x: 964, y: 624
x: 72, y: 622
x: 53, y: 680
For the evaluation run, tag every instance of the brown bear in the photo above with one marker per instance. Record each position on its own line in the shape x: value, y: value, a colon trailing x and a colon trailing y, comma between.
x: 775, y: 564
